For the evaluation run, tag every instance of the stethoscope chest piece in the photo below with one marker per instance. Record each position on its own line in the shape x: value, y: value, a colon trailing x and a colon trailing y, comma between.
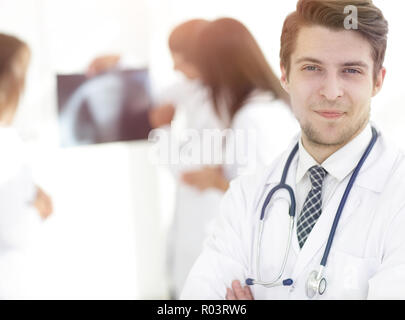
x: 315, y: 285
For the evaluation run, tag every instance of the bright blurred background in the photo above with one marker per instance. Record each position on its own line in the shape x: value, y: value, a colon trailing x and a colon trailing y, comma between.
x: 106, y: 239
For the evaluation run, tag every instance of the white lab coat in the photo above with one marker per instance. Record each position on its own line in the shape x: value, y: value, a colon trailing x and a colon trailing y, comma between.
x: 273, y: 124
x: 367, y: 259
x: 193, y: 208
x: 18, y: 217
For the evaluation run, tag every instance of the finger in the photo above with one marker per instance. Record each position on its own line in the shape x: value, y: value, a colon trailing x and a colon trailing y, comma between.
x: 89, y: 72
x: 248, y: 293
x: 191, y: 181
x: 191, y: 175
x: 186, y: 177
x: 217, y: 169
x: 92, y: 70
x: 238, y: 290
x: 230, y: 295
x: 49, y: 209
x: 168, y: 106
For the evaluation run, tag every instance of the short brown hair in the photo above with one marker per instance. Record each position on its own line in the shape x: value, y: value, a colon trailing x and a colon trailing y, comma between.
x: 330, y: 13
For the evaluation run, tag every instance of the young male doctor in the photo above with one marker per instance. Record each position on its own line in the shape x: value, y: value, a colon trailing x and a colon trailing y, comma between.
x: 331, y: 67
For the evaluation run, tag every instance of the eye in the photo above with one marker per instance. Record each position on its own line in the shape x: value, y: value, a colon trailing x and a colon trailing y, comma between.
x: 353, y: 71
x: 311, y: 68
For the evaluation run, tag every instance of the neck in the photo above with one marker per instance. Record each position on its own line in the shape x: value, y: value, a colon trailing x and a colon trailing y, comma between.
x: 320, y: 152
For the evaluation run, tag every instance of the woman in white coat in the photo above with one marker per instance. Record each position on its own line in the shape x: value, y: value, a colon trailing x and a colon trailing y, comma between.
x: 21, y: 201
x: 247, y: 109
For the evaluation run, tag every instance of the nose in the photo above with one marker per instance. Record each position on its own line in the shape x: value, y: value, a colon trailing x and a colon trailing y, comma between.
x: 331, y: 88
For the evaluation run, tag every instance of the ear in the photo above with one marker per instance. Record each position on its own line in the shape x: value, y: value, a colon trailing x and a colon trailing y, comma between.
x: 284, y: 79
x: 379, y: 81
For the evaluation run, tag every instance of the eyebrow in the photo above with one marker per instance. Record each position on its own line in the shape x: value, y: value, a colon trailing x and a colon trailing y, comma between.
x: 356, y: 63
x: 346, y: 64
x: 308, y: 59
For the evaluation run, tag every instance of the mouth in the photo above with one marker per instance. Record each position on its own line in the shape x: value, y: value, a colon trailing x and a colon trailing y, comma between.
x: 330, y: 114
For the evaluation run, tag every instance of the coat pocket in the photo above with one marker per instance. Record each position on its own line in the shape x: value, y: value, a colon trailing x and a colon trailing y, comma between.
x: 348, y: 275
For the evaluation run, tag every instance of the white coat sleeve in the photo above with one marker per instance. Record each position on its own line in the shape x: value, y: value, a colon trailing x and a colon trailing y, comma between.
x: 17, y: 213
x: 17, y: 193
x: 389, y: 280
x: 224, y: 257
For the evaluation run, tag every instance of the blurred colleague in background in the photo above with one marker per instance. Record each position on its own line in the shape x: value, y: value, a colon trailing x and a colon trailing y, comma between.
x: 242, y: 96
x: 228, y: 85
x: 194, y: 110
x: 21, y: 201
x: 193, y: 205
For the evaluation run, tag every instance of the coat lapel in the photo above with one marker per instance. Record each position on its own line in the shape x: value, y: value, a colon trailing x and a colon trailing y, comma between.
x: 318, y: 237
x: 373, y: 176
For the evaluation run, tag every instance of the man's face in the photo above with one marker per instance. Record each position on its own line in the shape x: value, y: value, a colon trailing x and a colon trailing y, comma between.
x: 331, y: 84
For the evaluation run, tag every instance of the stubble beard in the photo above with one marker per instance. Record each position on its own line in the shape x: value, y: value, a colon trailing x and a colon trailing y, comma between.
x: 315, y: 137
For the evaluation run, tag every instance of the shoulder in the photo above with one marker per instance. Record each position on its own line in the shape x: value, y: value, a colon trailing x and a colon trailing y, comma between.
x: 180, y: 91
x: 385, y: 177
x: 394, y: 186
x: 388, y: 211
x: 259, y: 100
x: 392, y: 161
x: 261, y: 109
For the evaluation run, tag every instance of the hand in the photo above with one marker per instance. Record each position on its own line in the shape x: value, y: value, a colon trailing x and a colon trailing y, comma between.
x: 238, y: 293
x: 208, y: 177
x: 102, y: 64
x: 43, y: 203
x: 161, y: 115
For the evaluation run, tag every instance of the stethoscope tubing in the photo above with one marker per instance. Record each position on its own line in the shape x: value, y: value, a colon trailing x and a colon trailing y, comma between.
x: 273, y: 283
x: 346, y: 195
x: 283, y: 185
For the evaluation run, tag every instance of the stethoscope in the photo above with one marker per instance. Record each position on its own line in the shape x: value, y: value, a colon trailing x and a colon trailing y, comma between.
x: 316, y: 283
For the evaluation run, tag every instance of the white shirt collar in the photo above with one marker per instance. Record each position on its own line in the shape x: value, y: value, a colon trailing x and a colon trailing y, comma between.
x: 340, y: 163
